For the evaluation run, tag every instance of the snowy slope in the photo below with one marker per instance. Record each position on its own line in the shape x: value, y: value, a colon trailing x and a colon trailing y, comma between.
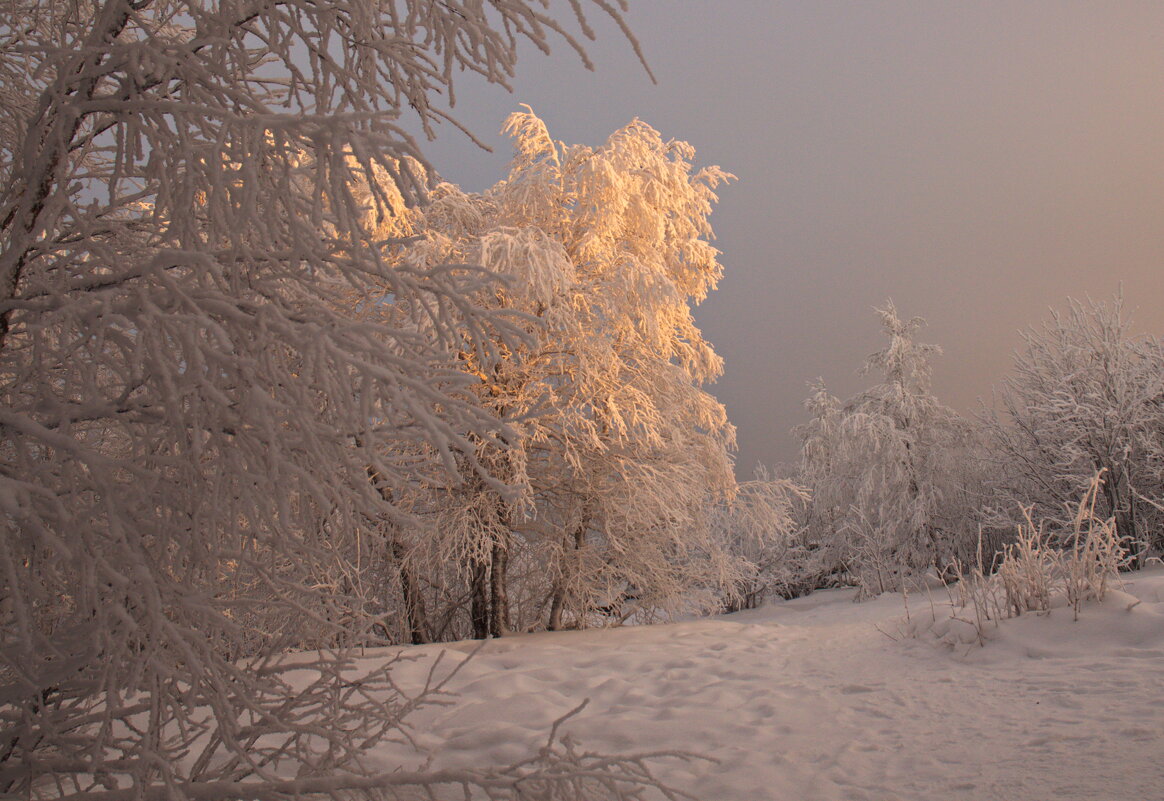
x: 814, y: 699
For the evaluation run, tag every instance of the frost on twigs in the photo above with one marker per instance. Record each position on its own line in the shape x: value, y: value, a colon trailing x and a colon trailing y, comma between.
x: 891, y: 471
x: 1044, y: 568
x: 561, y: 770
x: 617, y: 451
x: 1084, y: 396
x: 216, y: 381
x: 324, y: 756
x: 758, y: 527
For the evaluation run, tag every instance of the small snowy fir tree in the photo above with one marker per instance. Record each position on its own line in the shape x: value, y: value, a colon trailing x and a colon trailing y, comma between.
x: 888, y: 470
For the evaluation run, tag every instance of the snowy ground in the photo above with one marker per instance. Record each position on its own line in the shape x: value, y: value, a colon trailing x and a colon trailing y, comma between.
x: 808, y: 699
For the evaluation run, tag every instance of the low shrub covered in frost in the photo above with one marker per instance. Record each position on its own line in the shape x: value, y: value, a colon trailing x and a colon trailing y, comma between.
x: 1043, y: 569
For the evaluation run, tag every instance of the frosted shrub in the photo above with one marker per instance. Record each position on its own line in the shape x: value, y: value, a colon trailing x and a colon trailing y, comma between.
x: 1042, y: 568
x: 757, y: 528
x: 1084, y: 395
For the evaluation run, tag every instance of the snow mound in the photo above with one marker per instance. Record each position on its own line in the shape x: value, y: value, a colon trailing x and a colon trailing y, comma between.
x: 1129, y: 622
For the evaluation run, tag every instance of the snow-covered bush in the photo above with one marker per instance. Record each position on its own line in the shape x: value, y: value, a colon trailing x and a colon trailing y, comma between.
x: 758, y: 527
x: 890, y: 471
x: 1085, y: 395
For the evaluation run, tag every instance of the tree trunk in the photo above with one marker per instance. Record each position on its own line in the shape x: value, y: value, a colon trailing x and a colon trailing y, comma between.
x: 1123, y: 510
x: 414, y: 609
x: 418, y: 628
x: 559, y: 601
x: 479, y: 603
x: 1126, y: 530
x: 498, y: 576
x: 556, y: 605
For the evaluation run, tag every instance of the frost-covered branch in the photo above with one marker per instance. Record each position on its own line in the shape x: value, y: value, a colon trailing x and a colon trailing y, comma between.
x: 207, y: 345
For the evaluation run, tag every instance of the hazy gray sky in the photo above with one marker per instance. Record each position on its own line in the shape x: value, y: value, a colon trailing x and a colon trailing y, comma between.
x: 977, y: 162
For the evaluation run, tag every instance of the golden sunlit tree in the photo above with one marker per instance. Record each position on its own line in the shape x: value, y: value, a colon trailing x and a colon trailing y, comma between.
x: 617, y: 451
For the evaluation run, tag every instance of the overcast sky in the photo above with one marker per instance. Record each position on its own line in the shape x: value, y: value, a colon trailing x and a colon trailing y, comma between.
x: 977, y: 162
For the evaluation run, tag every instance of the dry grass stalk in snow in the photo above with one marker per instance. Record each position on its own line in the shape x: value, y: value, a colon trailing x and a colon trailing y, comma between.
x: 1039, y: 570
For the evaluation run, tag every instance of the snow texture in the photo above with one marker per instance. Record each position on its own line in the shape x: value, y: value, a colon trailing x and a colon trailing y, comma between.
x: 820, y: 699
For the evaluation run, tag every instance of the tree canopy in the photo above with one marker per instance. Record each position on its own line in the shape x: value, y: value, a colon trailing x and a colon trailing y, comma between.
x: 209, y: 395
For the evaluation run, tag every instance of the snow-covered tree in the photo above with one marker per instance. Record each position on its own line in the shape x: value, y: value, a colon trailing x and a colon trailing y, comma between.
x: 888, y: 469
x: 619, y: 448
x: 199, y: 427
x: 758, y: 526
x: 1085, y: 396
x: 645, y: 444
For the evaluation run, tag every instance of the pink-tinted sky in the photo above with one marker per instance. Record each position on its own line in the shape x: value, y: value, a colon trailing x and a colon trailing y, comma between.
x: 975, y: 161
